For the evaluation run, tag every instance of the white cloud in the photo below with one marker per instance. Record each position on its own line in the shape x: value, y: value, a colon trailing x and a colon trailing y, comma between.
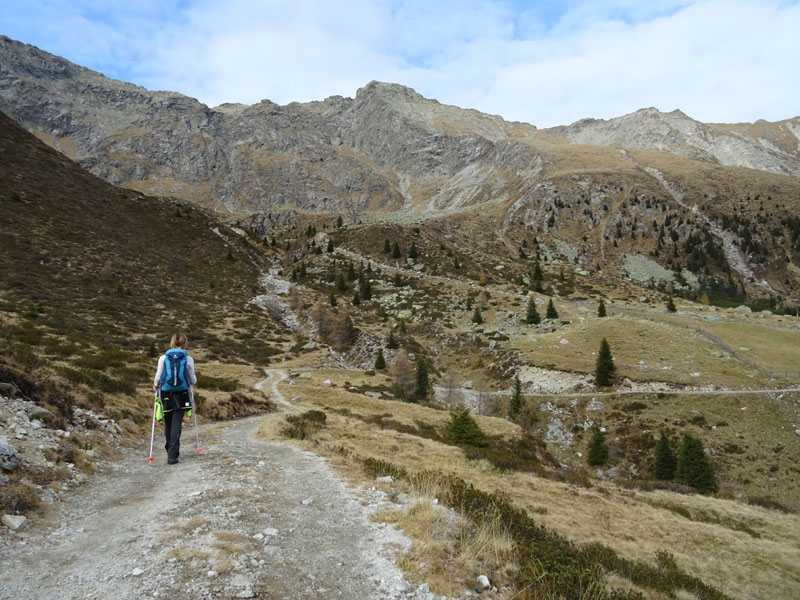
x: 545, y: 63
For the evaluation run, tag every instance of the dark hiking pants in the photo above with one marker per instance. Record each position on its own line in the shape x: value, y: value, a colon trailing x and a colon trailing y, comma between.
x: 173, y: 423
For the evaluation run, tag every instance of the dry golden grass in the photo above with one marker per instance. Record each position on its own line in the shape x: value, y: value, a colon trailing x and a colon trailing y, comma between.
x: 185, y: 554
x: 731, y: 559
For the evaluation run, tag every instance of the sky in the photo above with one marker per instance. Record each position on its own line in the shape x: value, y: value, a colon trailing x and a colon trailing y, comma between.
x: 545, y: 63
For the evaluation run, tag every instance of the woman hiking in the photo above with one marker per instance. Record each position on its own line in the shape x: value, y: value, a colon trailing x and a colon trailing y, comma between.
x: 172, y: 385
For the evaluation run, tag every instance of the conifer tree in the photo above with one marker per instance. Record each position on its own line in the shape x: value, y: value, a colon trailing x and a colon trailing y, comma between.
x: 356, y: 298
x: 380, y: 362
x: 330, y: 245
x: 531, y: 314
x: 398, y: 280
x: 365, y: 288
x: 412, y: 252
x: 476, y: 316
x: 601, y: 309
x: 597, y: 451
x: 396, y: 251
x: 302, y: 272
x: 515, y: 403
x: 341, y: 285
x: 671, y: 305
x: 551, y: 310
x: 693, y: 468
x: 422, y: 387
x: 387, y: 248
x: 665, y: 462
x: 339, y: 221
x: 605, y: 369
x: 351, y: 272
x: 391, y: 341
x: 462, y: 429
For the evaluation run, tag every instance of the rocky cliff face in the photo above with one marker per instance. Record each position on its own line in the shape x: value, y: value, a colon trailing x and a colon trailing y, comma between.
x: 771, y: 147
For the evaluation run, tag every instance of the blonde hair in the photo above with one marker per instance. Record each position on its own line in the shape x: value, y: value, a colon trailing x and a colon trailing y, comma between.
x: 178, y: 341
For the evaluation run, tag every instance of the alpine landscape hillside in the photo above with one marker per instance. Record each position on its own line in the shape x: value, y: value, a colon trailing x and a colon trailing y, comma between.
x: 563, y: 362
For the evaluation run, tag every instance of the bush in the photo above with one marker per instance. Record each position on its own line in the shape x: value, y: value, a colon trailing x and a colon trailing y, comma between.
x: 693, y: 468
x: 463, y: 430
x: 305, y: 425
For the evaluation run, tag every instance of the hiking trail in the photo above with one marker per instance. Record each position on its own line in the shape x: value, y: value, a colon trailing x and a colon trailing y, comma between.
x: 244, y: 518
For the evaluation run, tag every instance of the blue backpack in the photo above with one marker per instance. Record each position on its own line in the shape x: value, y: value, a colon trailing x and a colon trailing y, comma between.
x: 173, y: 377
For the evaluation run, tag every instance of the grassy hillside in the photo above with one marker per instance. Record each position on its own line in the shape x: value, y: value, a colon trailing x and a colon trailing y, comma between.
x: 95, y: 280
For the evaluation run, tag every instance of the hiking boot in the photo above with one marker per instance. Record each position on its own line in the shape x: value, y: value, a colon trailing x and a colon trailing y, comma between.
x: 172, y: 461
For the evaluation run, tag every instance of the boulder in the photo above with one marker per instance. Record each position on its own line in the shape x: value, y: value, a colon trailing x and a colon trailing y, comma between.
x: 9, y: 457
x: 13, y: 522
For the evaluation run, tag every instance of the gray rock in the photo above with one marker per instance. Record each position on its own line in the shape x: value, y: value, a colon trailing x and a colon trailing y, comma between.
x: 595, y: 404
x: 743, y: 309
x: 306, y: 376
x: 312, y: 345
x: 482, y: 582
x: 13, y: 522
x: 373, y: 394
x: 797, y: 431
x: 9, y: 458
x: 137, y: 572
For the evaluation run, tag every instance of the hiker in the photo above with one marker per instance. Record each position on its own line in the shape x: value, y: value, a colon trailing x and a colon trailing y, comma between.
x: 172, y: 385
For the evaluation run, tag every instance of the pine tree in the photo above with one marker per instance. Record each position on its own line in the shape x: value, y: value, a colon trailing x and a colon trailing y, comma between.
x: 476, y: 316
x: 330, y: 245
x: 597, y: 451
x: 605, y: 369
x: 531, y: 314
x: 380, y: 362
x: 693, y: 468
x: 387, y: 248
x: 398, y: 280
x: 356, y: 298
x: 341, y: 285
x: 515, y: 403
x: 302, y: 272
x: 422, y: 388
x: 391, y: 341
x: 551, y: 310
x: 412, y: 252
x: 671, y: 305
x: 365, y: 288
x: 351, y: 272
x: 665, y: 462
x: 339, y: 221
x: 601, y: 309
x: 396, y: 251
x: 462, y: 429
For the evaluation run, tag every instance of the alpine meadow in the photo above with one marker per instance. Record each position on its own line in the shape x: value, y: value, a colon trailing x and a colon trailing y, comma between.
x: 546, y: 363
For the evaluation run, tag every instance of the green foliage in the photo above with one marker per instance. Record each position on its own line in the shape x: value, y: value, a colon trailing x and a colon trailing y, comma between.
x: 387, y: 247
x: 601, y: 309
x: 463, y: 430
x: 330, y: 245
x: 412, y: 252
x: 396, y: 251
x: 356, y: 298
x: 423, y: 386
x: 693, y: 468
x: 380, y: 362
x: 476, y: 316
x: 339, y: 222
x: 671, y: 305
x: 351, y: 272
x: 222, y: 384
x: 304, y: 425
x: 531, y: 314
x: 32, y: 310
x: 469, y: 303
x: 229, y: 257
x: 365, y: 288
x: 398, y: 280
x: 341, y: 284
x: 551, y: 310
x: 597, y: 451
x: 515, y: 403
x: 402, y: 326
x: 151, y: 350
x: 605, y: 370
x: 664, y: 460
x: 391, y: 341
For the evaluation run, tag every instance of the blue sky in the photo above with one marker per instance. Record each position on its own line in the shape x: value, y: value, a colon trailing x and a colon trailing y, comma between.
x: 546, y: 63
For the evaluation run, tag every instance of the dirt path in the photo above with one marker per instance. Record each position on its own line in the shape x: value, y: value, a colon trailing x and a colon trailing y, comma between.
x: 243, y: 519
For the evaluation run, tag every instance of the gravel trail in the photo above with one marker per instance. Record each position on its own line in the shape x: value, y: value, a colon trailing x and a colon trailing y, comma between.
x: 244, y: 518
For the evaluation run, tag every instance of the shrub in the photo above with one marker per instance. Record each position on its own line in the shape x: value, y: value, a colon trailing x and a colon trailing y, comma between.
x: 693, y: 468
x: 664, y: 459
x: 604, y: 368
x: 601, y: 309
x: 476, y: 316
x: 463, y: 430
x: 305, y: 425
x: 597, y: 451
x: 380, y: 362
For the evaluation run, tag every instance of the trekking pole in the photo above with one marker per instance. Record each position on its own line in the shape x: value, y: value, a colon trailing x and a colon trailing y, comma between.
x: 152, y: 433
x: 194, y: 414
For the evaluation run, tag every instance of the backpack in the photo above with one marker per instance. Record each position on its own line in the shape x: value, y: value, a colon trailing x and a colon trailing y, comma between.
x: 173, y: 377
